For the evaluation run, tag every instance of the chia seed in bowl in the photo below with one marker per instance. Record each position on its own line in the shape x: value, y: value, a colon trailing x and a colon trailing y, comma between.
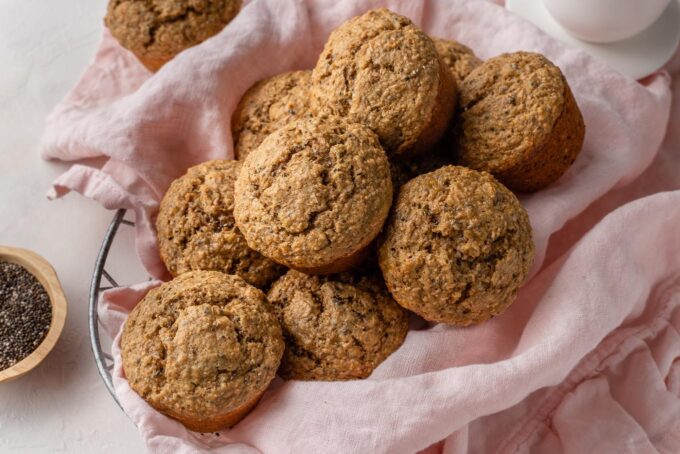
x: 25, y: 313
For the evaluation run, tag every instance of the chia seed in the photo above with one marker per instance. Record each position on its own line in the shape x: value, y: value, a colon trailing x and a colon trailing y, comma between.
x: 25, y: 313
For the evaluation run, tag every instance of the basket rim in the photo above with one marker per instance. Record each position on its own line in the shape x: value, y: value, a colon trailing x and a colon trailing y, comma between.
x: 103, y: 360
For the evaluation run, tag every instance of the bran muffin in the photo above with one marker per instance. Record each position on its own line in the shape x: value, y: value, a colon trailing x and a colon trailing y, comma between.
x: 314, y: 194
x: 382, y: 71
x: 268, y: 105
x: 459, y: 58
x: 337, y: 327
x: 519, y: 121
x: 202, y: 349
x: 197, y: 231
x: 457, y: 246
x: 157, y: 30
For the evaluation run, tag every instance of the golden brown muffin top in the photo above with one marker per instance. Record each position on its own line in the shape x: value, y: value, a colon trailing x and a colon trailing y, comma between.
x: 197, y: 231
x: 337, y: 327
x: 268, y: 105
x: 459, y: 58
x: 380, y: 70
x: 201, y: 345
x: 314, y: 191
x: 456, y: 247
x: 508, y: 107
x: 162, y: 28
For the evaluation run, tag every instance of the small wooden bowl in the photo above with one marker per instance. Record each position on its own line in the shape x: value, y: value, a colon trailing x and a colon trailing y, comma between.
x: 46, y: 275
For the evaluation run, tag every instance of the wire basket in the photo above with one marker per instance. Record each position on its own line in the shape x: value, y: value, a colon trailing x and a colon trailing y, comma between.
x: 103, y: 356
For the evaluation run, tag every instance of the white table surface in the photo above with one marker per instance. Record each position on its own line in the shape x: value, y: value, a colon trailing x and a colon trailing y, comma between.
x: 62, y: 405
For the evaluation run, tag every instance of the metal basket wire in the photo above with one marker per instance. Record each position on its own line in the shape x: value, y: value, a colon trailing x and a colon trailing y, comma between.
x: 102, y: 357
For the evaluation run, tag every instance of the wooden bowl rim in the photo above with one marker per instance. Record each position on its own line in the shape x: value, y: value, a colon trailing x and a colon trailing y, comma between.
x: 44, y: 272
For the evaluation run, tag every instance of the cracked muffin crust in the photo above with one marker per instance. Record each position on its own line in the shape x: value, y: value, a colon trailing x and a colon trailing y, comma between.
x: 157, y: 30
x: 337, y: 327
x: 314, y: 194
x: 268, y: 105
x: 197, y: 231
x: 382, y: 71
x: 202, y: 349
x: 459, y: 58
x: 457, y: 246
x: 519, y: 121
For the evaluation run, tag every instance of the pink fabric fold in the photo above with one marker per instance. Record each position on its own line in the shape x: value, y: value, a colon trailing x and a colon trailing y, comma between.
x: 586, y: 360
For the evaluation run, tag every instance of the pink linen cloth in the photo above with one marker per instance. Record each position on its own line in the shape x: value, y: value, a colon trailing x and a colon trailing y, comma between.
x: 588, y: 357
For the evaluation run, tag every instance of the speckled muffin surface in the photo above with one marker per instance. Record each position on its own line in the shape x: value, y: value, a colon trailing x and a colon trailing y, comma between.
x: 314, y: 193
x: 157, y: 30
x: 459, y: 58
x: 202, y: 348
x: 268, y: 105
x: 457, y: 246
x: 197, y: 231
x: 337, y: 327
x: 519, y: 121
x: 380, y: 70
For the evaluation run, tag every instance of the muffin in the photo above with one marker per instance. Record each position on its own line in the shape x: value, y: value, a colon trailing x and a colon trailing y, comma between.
x: 314, y: 194
x: 202, y: 349
x: 268, y: 105
x: 459, y: 58
x: 382, y: 71
x: 157, y: 30
x: 456, y: 247
x: 519, y: 121
x: 338, y: 327
x: 197, y: 231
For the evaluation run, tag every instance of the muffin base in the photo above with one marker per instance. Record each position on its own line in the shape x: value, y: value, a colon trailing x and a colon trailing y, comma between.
x: 217, y: 423
x: 340, y: 265
x: 546, y: 163
x: 153, y: 64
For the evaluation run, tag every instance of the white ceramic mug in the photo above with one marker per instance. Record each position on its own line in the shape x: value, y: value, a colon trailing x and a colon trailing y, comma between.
x: 604, y: 21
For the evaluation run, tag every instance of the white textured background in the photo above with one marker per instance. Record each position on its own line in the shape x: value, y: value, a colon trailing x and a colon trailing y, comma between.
x: 61, y: 406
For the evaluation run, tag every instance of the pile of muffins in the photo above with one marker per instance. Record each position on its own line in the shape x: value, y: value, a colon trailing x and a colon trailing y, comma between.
x: 376, y: 185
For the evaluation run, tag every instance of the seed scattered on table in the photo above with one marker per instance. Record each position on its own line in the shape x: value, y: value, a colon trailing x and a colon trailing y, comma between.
x: 25, y: 314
